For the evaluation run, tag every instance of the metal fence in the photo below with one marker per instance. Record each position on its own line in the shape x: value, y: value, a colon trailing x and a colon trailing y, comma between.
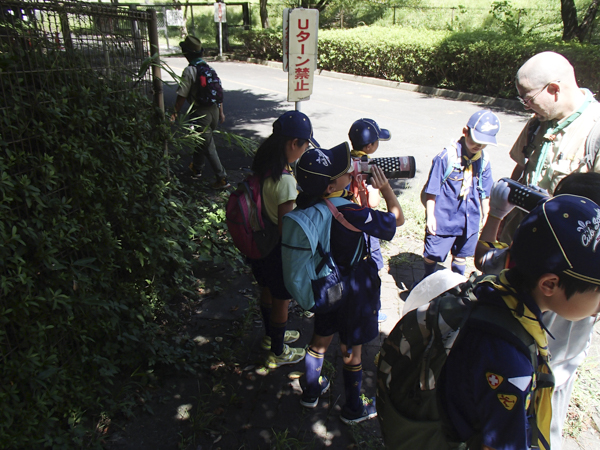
x: 109, y: 40
x: 48, y: 45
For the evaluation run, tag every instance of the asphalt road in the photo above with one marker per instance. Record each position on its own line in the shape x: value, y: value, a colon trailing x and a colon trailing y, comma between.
x: 421, y: 125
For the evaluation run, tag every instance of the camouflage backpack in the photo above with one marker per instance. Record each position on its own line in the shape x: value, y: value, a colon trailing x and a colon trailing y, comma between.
x: 411, y: 361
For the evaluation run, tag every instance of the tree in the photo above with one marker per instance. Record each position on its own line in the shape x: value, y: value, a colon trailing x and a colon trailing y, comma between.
x: 571, y: 27
x: 264, y: 14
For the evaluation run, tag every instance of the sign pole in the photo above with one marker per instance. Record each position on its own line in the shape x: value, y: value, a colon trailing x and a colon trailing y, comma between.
x: 221, y: 39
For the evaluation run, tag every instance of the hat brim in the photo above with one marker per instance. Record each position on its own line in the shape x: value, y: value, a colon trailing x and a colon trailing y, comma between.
x: 384, y: 135
x: 483, y: 139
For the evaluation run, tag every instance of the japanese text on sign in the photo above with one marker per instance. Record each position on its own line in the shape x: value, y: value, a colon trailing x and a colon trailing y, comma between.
x: 302, y: 30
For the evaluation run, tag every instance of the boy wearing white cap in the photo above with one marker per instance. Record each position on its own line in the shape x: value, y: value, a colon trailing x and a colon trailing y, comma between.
x: 457, y: 194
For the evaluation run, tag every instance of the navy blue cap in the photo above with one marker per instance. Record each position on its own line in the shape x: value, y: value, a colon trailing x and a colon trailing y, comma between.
x: 561, y: 235
x: 318, y: 167
x: 484, y: 126
x: 295, y: 124
x: 366, y: 131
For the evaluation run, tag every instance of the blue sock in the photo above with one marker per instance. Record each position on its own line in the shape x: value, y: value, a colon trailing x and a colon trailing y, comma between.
x: 352, y: 386
x: 313, y: 363
x: 429, y: 268
x: 265, y: 311
x: 277, y: 336
x: 459, y: 267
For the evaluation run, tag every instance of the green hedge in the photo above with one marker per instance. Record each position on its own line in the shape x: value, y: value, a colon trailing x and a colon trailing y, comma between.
x: 477, y: 62
x: 95, y: 240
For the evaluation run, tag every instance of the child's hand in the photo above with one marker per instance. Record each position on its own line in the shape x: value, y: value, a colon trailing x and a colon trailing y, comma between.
x: 499, y: 204
x: 431, y: 225
x: 378, y: 179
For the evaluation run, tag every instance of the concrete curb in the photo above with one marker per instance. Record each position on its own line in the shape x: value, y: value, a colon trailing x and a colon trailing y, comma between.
x: 492, y: 102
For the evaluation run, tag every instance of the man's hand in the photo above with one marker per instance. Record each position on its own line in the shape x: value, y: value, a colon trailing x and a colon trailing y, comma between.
x: 499, y: 204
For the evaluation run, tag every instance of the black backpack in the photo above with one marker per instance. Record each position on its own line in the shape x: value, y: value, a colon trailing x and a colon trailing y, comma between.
x: 207, y: 89
x: 411, y: 361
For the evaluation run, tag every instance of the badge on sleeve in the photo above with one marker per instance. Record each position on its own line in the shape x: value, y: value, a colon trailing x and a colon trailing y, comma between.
x: 494, y: 380
x: 508, y: 401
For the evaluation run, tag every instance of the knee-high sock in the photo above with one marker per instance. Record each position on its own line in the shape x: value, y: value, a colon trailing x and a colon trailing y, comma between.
x: 313, y: 363
x: 277, y: 336
x: 459, y: 266
x: 265, y: 311
x: 352, y: 386
x: 429, y: 268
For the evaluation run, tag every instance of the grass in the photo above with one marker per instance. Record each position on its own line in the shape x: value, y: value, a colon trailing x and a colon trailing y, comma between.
x: 585, y: 399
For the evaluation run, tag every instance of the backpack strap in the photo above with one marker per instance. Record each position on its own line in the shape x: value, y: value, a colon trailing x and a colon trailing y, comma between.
x: 453, y: 162
x: 340, y: 217
x: 592, y: 146
x: 484, y: 162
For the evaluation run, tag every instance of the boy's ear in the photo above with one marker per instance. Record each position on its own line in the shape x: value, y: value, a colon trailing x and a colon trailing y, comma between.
x: 466, y: 131
x: 330, y: 188
x: 548, y: 284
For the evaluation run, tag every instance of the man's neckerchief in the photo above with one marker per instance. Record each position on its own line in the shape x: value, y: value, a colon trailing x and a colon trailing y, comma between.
x: 550, y: 136
x: 533, y: 326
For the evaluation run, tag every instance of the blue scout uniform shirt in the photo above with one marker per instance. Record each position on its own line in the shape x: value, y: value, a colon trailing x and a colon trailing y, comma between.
x: 454, y: 215
x: 344, y: 242
x: 486, y: 384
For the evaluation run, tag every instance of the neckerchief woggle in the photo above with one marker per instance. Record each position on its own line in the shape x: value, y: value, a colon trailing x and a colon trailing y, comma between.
x: 550, y: 136
x: 543, y: 395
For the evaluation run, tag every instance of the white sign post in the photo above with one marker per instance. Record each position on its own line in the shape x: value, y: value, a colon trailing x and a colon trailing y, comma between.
x: 220, y: 18
x: 301, y: 61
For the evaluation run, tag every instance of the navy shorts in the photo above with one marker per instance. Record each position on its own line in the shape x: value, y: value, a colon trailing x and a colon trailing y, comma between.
x: 437, y: 247
x: 268, y: 272
x: 355, y: 321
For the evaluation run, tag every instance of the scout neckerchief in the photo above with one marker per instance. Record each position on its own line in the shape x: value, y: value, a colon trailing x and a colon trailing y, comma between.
x: 552, y: 132
x: 468, y: 172
x: 358, y: 153
x: 529, y: 321
x: 342, y: 193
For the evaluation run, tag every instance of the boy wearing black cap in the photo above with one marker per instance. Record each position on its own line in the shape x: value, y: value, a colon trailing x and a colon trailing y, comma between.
x: 207, y: 112
x: 458, y: 188
x: 489, y: 389
x: 323, y: 174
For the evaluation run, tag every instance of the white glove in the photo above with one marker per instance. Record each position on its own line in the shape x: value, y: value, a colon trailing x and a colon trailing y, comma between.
x: 499, y: 204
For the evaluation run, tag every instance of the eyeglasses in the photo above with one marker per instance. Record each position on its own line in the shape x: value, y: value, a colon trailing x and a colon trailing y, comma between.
x: 530, y: 99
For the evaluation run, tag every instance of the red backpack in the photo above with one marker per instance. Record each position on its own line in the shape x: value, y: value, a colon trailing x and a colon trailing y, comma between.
x: 252, y: 231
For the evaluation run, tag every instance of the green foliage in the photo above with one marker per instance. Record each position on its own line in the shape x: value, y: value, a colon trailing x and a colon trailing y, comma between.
x: 477, y: 62
x: 96, y: 240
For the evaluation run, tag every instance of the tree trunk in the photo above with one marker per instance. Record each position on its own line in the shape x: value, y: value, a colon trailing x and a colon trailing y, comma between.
x: 588, y: 21
x: 568, y: 13
x: 264, y: 14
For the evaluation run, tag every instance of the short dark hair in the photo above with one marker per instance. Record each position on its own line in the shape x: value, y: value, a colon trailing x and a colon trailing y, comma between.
x: 584, y: 184
x: 524, y: 283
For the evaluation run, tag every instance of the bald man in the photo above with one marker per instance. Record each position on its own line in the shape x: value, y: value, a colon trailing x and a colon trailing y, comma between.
x: 552, y: 144
x: 550, y: 147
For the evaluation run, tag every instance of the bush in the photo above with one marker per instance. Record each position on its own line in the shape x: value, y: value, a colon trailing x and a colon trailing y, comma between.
x: 96, y: 240
x: 477, y: 62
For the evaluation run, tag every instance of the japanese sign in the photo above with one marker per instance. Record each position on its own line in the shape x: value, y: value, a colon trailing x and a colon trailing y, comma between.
x: 175, y: 18
x: 300, y: 54
x: 220, y: 13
